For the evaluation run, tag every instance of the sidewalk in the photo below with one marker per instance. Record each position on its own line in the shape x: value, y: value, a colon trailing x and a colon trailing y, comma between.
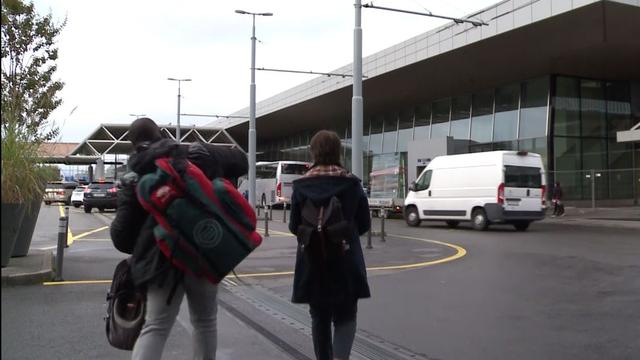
x: 34, y: 268
x: 621, y: 217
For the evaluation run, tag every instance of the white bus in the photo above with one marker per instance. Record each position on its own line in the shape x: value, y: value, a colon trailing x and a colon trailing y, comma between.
x: 274, y: 181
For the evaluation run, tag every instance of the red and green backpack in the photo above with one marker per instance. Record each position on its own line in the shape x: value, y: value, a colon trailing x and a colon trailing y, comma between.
x: 205, y: 227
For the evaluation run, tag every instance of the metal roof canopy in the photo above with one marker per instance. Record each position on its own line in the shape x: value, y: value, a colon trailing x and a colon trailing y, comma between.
x: 631, y: 135
x: 112, y: 139
x: 594, y: 41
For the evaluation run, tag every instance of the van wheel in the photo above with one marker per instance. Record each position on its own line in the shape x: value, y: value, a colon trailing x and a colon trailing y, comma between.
x: 76, y: 205
x: 87, y: 209
x: 521, y: 225
x: 101, y: 209
x: 411, y: 216
x: 479, y: 220
x: 452, y: 223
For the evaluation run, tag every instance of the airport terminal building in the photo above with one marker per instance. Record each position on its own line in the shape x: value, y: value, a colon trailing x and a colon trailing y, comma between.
x: 557, y: 77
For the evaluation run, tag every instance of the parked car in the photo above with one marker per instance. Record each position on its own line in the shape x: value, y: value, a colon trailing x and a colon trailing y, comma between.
x: 102, y: 195
x: 485, y: 188
x: 59, y: 191
x: 78, y: 196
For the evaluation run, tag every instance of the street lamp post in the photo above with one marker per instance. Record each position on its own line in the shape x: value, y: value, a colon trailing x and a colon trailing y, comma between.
x: 137, y: 116
x: 356, y: 101
x: 252, y: 108
x: 178, y: 126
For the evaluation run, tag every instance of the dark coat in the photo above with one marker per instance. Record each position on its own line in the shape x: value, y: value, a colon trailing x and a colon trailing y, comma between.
x: 349, y: 278
x: 132, y: 229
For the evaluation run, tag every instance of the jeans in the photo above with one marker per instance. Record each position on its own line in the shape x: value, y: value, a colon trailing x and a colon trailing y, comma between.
x: 159, y: 318
x: 344, y: 320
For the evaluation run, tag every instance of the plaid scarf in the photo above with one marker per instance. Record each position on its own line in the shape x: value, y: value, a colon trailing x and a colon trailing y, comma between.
x: 326, y: 170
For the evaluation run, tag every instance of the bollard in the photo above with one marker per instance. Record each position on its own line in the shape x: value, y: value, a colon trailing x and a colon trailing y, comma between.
x: 62, y: 240
x: 369, y: 246
x: 383, y: 214
x: 266, y: 223
x: 66, y: 234
x: 284, y: 212
x: 257, y: 211
x: 270, y: 212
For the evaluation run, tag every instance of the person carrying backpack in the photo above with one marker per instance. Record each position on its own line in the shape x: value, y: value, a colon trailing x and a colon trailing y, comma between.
x: 329, y: 212
x: 132, y: 232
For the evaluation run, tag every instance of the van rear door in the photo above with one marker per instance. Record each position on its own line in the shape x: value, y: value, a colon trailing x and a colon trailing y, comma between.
x: 522, y: 188
x: 287, y: 173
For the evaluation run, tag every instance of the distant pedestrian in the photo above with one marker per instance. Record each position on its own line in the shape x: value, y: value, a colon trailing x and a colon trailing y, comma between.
x: 132, y: 233
x: 558, y: 206
x: 329, y: 212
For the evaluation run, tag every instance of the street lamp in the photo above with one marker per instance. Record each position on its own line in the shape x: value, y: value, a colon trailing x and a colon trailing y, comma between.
x: 178, y: 127
x: 138, y: 116
x: 252, y: 108
x: 356, y: 100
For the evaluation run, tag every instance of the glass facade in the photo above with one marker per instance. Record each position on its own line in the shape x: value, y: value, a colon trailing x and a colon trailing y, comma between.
x: 570, y: 122
x: 589, y: 162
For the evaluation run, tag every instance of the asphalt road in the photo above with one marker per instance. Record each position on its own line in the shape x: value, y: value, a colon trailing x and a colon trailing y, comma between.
x: 554, y: 292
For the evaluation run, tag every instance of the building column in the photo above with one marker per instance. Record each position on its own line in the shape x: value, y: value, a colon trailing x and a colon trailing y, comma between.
x: 99, y: 175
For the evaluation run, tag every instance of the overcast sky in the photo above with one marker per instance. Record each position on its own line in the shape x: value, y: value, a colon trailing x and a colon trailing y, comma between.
x: 115, y: 56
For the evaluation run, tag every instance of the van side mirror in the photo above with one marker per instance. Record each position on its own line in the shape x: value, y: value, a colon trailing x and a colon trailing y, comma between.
x: 412, y: 186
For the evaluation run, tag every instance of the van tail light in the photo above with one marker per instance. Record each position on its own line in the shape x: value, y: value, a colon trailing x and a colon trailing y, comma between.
x: 112, y: 190
x: 60, y: 192
x: 544, y: 193
x: 279, y: 190
x: 501, y: 194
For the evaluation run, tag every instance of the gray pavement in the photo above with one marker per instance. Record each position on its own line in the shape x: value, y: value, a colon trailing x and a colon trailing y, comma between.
x: 38, y: 265
x: 236, y: 342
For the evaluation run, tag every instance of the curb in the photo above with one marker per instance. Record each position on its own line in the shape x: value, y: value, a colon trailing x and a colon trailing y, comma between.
x: 31, y: 278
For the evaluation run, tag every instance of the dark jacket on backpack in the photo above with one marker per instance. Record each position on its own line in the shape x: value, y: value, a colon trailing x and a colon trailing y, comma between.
x: 350, y: 275
x: 132, y: 229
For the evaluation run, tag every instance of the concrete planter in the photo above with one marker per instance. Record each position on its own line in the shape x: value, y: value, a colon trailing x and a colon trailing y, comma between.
x: 28, y: 225
x: 12, y: 215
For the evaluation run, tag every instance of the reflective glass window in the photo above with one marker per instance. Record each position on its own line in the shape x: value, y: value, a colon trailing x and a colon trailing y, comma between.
x: 533, y: 108
x: 482, y: 116
x: 620, y: 177
x: 535, y: 145
x: 405, y: 129
x: 440, y: 119
x: 460, y: 112
x: 422, y: 122
x: 594, y: 156
x: 618, y: 107
x: 568, y: 166
x: 375, y: 139
x: 566, y: 107
x: 506, y: 116
x: 390, y: 132
x: 592, y: 108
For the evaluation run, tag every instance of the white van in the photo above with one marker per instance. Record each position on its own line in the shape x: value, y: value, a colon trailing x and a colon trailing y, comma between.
x: 485, y: 188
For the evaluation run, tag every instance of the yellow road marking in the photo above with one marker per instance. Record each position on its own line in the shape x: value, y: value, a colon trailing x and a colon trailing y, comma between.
x: 80, y: 236
x: 76, y: 282
x: 69, y: 234
x: 460, y: 252
x: 275, y: 232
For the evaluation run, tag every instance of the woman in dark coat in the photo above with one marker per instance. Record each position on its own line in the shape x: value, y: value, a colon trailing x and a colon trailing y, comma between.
x: 332, y: 291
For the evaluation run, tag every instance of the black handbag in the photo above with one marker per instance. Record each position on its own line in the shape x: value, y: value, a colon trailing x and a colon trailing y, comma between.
x: 126, y: 306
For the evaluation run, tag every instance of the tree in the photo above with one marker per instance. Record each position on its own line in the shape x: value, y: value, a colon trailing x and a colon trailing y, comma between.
x: 29, y: 54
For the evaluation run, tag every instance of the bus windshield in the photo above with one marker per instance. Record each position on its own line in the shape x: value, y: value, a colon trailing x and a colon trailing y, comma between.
x: 294, y: 169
